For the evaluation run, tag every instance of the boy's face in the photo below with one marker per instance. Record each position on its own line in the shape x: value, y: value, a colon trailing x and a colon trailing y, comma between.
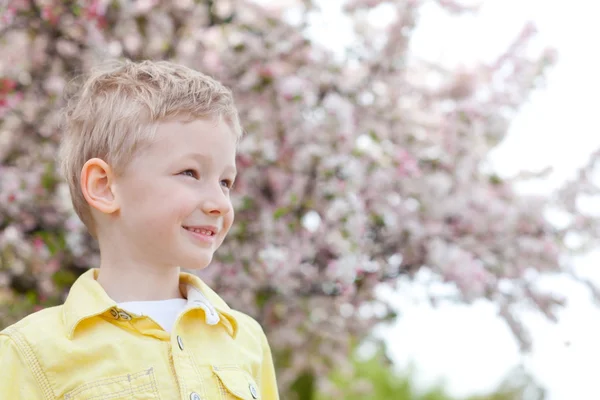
x: 174, y: 196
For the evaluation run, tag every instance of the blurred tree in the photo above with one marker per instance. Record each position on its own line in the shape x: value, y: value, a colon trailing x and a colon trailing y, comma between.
x: 353, y: 172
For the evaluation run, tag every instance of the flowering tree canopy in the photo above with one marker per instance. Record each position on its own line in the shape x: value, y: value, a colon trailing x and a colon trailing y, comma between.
x: 353, y: 172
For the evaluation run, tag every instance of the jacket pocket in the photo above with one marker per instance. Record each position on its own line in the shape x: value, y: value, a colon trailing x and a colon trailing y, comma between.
x: 236, y: 383
x: 137, y: 386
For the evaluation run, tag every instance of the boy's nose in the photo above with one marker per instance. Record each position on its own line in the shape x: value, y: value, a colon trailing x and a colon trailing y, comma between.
x: 216, y: 203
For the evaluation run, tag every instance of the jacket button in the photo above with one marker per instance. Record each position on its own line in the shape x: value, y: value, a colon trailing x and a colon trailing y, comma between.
x: 194, y: 396
x: 180, y: 343
x: 125, y: 316
x: 253, y: 391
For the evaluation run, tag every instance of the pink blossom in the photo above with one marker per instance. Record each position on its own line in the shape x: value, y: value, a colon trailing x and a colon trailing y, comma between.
x: 407, y: 164
x: 144, y: 6
x: 292, y: 87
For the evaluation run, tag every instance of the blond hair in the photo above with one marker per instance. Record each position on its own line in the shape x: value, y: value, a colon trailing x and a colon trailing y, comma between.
x: 113, y: 112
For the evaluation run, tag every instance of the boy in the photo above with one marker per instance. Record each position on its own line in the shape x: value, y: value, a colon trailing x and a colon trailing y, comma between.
x: 148, y: 152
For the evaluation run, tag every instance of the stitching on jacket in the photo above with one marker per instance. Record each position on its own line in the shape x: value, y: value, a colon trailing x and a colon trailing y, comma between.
x: 221, y: 389
x: 176, y: 361
x: 198, y: 374
x: 25, y: 348
x: 96, y: 384
x: 130, y: 390
x: 225, y: 390
x: 111, y: 380
x: 154, y: 385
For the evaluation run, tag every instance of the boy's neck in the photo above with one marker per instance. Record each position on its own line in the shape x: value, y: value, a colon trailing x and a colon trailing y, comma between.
x: 126, y: 283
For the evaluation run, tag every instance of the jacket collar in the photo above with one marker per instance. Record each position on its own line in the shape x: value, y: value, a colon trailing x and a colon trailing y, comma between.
x: 88, y: 299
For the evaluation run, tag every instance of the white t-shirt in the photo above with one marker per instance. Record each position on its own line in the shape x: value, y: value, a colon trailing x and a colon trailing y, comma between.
x: 163, y: 312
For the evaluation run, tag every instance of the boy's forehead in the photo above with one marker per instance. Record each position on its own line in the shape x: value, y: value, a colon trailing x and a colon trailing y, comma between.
x: 198, y: 133
x: 184, y: 141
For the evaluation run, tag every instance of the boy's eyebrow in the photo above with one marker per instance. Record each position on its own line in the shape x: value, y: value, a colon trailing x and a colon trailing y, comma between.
x: 203, y: 157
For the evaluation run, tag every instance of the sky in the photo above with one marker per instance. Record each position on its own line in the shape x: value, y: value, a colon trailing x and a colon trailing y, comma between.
x: 468, y: 347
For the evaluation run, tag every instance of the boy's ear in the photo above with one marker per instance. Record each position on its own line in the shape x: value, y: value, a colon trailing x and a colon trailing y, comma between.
x: 97, y: 180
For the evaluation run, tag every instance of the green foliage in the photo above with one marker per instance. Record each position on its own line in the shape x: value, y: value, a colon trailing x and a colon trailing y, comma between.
x: 375, y: 378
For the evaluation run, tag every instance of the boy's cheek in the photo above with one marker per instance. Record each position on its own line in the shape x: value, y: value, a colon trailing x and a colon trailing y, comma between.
x: 229, y: 219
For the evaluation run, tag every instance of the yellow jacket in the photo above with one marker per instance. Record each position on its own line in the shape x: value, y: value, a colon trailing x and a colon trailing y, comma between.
x: 88, y: 348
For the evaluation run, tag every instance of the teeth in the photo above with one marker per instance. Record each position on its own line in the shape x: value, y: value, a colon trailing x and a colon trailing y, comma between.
x: 201, y: 231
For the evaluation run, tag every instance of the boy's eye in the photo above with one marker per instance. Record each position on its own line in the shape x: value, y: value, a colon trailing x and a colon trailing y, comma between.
x: 190, y: 172
x: 227, y: 183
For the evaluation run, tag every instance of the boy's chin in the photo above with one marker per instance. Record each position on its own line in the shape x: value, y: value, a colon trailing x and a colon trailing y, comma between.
x: 197, y: 263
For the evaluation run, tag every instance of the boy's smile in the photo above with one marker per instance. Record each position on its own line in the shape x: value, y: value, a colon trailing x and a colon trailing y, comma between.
x: 203, y: 233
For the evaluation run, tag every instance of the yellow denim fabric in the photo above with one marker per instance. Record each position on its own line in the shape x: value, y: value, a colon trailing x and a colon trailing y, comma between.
x: 88, y: 348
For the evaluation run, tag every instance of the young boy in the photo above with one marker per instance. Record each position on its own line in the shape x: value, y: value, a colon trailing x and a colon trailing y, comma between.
x: 149, y: 154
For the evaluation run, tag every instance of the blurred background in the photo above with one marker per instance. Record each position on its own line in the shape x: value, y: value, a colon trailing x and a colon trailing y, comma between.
x: 417, y: 211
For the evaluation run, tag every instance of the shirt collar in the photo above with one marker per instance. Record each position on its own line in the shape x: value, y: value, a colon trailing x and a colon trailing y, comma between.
x: 88, y: 299
x: 199, y: 294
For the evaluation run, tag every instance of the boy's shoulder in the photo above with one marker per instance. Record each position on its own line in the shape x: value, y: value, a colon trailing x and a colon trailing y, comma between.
x: 246, y: 320
x: 36, y: 328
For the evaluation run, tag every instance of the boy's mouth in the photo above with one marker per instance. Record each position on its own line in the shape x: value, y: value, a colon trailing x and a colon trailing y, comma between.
x: 202, y: 230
